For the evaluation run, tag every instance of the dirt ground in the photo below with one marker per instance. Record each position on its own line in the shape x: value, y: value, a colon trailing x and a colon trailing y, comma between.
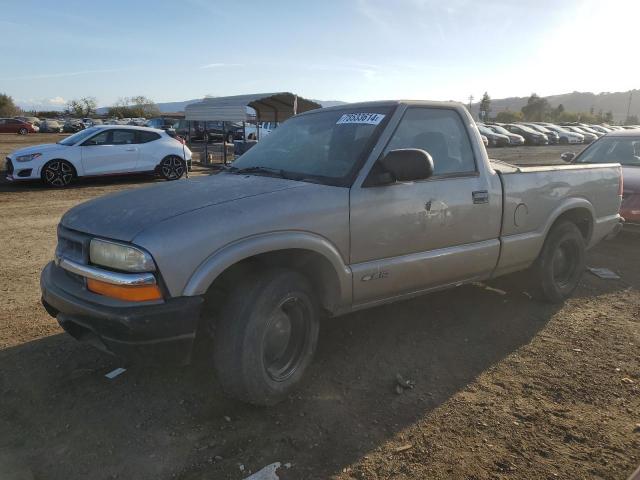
x: 505, y: 387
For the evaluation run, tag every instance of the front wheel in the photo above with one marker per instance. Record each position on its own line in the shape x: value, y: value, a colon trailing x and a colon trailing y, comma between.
x: 58, y: 173
x: 172, y: 167
x: 266, y: 336
x: 559, y: 267
x: 23, y: 131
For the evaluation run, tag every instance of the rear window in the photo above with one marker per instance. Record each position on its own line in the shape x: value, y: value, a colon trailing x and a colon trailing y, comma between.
x: 145, y: 137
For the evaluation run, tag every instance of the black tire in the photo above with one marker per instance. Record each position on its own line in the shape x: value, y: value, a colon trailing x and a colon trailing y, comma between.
x: 266, y: 337
x: 172, y: 167
x: 559, y: 267
x: 23, y: 131
x: 564, y: 141
x: 58, y: 173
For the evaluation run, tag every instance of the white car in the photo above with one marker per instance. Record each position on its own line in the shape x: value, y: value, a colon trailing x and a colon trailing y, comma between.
x: 566, y: 136
x: 101, y: 150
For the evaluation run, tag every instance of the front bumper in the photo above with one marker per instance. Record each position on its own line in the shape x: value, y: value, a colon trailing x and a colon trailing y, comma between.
x: 145, y: 332
x: 16, y: 171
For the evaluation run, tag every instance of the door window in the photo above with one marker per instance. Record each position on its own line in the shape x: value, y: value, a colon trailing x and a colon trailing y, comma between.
x: 123, y: 137
x: 100, y: 139
x: 441, y: 133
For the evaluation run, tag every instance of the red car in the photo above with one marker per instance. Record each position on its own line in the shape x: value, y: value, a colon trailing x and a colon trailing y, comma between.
x: 623, y: 147
x: 13, y: 125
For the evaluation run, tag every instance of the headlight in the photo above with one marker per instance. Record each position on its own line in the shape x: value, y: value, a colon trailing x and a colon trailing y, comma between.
x: 120, y: 257
x: 28, y: 158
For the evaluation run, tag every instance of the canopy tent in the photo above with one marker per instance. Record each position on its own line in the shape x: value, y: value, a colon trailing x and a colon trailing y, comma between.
x: 269, y: 107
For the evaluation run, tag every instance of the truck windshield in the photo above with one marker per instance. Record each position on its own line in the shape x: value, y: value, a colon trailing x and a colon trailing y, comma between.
x: 326, y: 147
x: 622, y: 150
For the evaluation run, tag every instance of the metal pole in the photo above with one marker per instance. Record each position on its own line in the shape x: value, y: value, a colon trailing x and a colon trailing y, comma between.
x: 205, y: 137
x: 629, y: 106
x: 224, y: 142
x: 257, y: 125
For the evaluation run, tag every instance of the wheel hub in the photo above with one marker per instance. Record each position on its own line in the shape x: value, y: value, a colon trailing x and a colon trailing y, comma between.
x: 172, y: 168
x: 285, y: 338
x: 58, y: 174
x: 563, y: 263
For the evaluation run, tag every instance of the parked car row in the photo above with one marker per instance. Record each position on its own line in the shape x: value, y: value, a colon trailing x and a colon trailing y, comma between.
x: 544, y: 133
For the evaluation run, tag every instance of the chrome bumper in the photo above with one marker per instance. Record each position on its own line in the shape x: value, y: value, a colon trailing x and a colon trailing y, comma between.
x: 114, y: 278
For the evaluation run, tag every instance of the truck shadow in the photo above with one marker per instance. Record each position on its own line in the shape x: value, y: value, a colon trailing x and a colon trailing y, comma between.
x: 149, y: 422
x: 61, y: 418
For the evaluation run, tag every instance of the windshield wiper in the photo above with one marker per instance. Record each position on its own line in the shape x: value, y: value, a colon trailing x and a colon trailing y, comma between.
x: 258, y: 169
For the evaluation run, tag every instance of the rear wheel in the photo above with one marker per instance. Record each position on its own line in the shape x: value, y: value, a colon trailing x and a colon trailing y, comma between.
x: 559, y: 267
x: 172, y: 167
x: 58, y: 173
x: 266, y: 336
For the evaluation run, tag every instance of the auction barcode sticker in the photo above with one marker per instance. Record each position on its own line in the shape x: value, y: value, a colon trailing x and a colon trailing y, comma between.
x: 364, y: 118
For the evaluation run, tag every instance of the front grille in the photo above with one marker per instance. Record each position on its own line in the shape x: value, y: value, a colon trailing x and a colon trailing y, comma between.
x: 8, y: 166
x: 70, y: 249
x: 72, y: 245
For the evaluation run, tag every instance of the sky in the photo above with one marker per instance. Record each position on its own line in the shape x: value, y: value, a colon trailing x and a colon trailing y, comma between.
x: 350, y: 50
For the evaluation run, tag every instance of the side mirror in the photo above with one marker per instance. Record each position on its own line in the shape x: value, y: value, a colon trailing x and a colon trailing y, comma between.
x: 568, y: 156
x: 408, y: 164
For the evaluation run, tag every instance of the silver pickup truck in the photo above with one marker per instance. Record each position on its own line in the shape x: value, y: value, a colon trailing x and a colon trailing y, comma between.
x: 339, y: 209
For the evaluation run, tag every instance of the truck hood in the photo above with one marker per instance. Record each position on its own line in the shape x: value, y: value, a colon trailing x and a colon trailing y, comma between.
x: 122, y: 216
x: 44, y: 148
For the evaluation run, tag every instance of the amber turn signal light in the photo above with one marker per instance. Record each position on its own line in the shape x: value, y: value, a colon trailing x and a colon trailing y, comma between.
x: 131, y: 293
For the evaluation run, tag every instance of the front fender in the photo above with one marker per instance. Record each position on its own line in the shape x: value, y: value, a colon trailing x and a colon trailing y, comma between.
x: 232, y: 253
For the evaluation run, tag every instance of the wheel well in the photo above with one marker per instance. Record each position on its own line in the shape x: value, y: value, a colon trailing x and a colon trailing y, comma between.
x: 75, y: 172
x: 313, y: 265
x: 581, y: 217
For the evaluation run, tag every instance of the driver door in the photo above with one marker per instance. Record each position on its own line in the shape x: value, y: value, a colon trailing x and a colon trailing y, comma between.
x: 408, y: 237
x: 109, y: 152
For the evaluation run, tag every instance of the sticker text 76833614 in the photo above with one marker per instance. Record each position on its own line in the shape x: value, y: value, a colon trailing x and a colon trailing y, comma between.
x: 363, y: 118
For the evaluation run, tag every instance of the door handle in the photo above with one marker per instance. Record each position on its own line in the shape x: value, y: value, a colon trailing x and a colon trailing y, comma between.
x: 481, y: 196
x: 131, y: 149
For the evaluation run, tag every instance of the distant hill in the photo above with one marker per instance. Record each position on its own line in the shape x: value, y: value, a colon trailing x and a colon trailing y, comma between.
x: 172, y: 107
x: 615, y: 102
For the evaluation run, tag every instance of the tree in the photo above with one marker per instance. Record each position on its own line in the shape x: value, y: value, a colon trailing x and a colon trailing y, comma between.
x: 485, y: 106
x: 142, y: 106
x: 608, y: 117
x: 557, y: 112
x: 508, y: 116
x: 138, y: 106
x: 537, y: 109
x: 632, y: 120
x: 7, y: 107
x: 83, y: 107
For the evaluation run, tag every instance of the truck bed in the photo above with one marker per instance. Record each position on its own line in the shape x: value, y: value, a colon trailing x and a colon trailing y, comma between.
x: 533, y: 196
